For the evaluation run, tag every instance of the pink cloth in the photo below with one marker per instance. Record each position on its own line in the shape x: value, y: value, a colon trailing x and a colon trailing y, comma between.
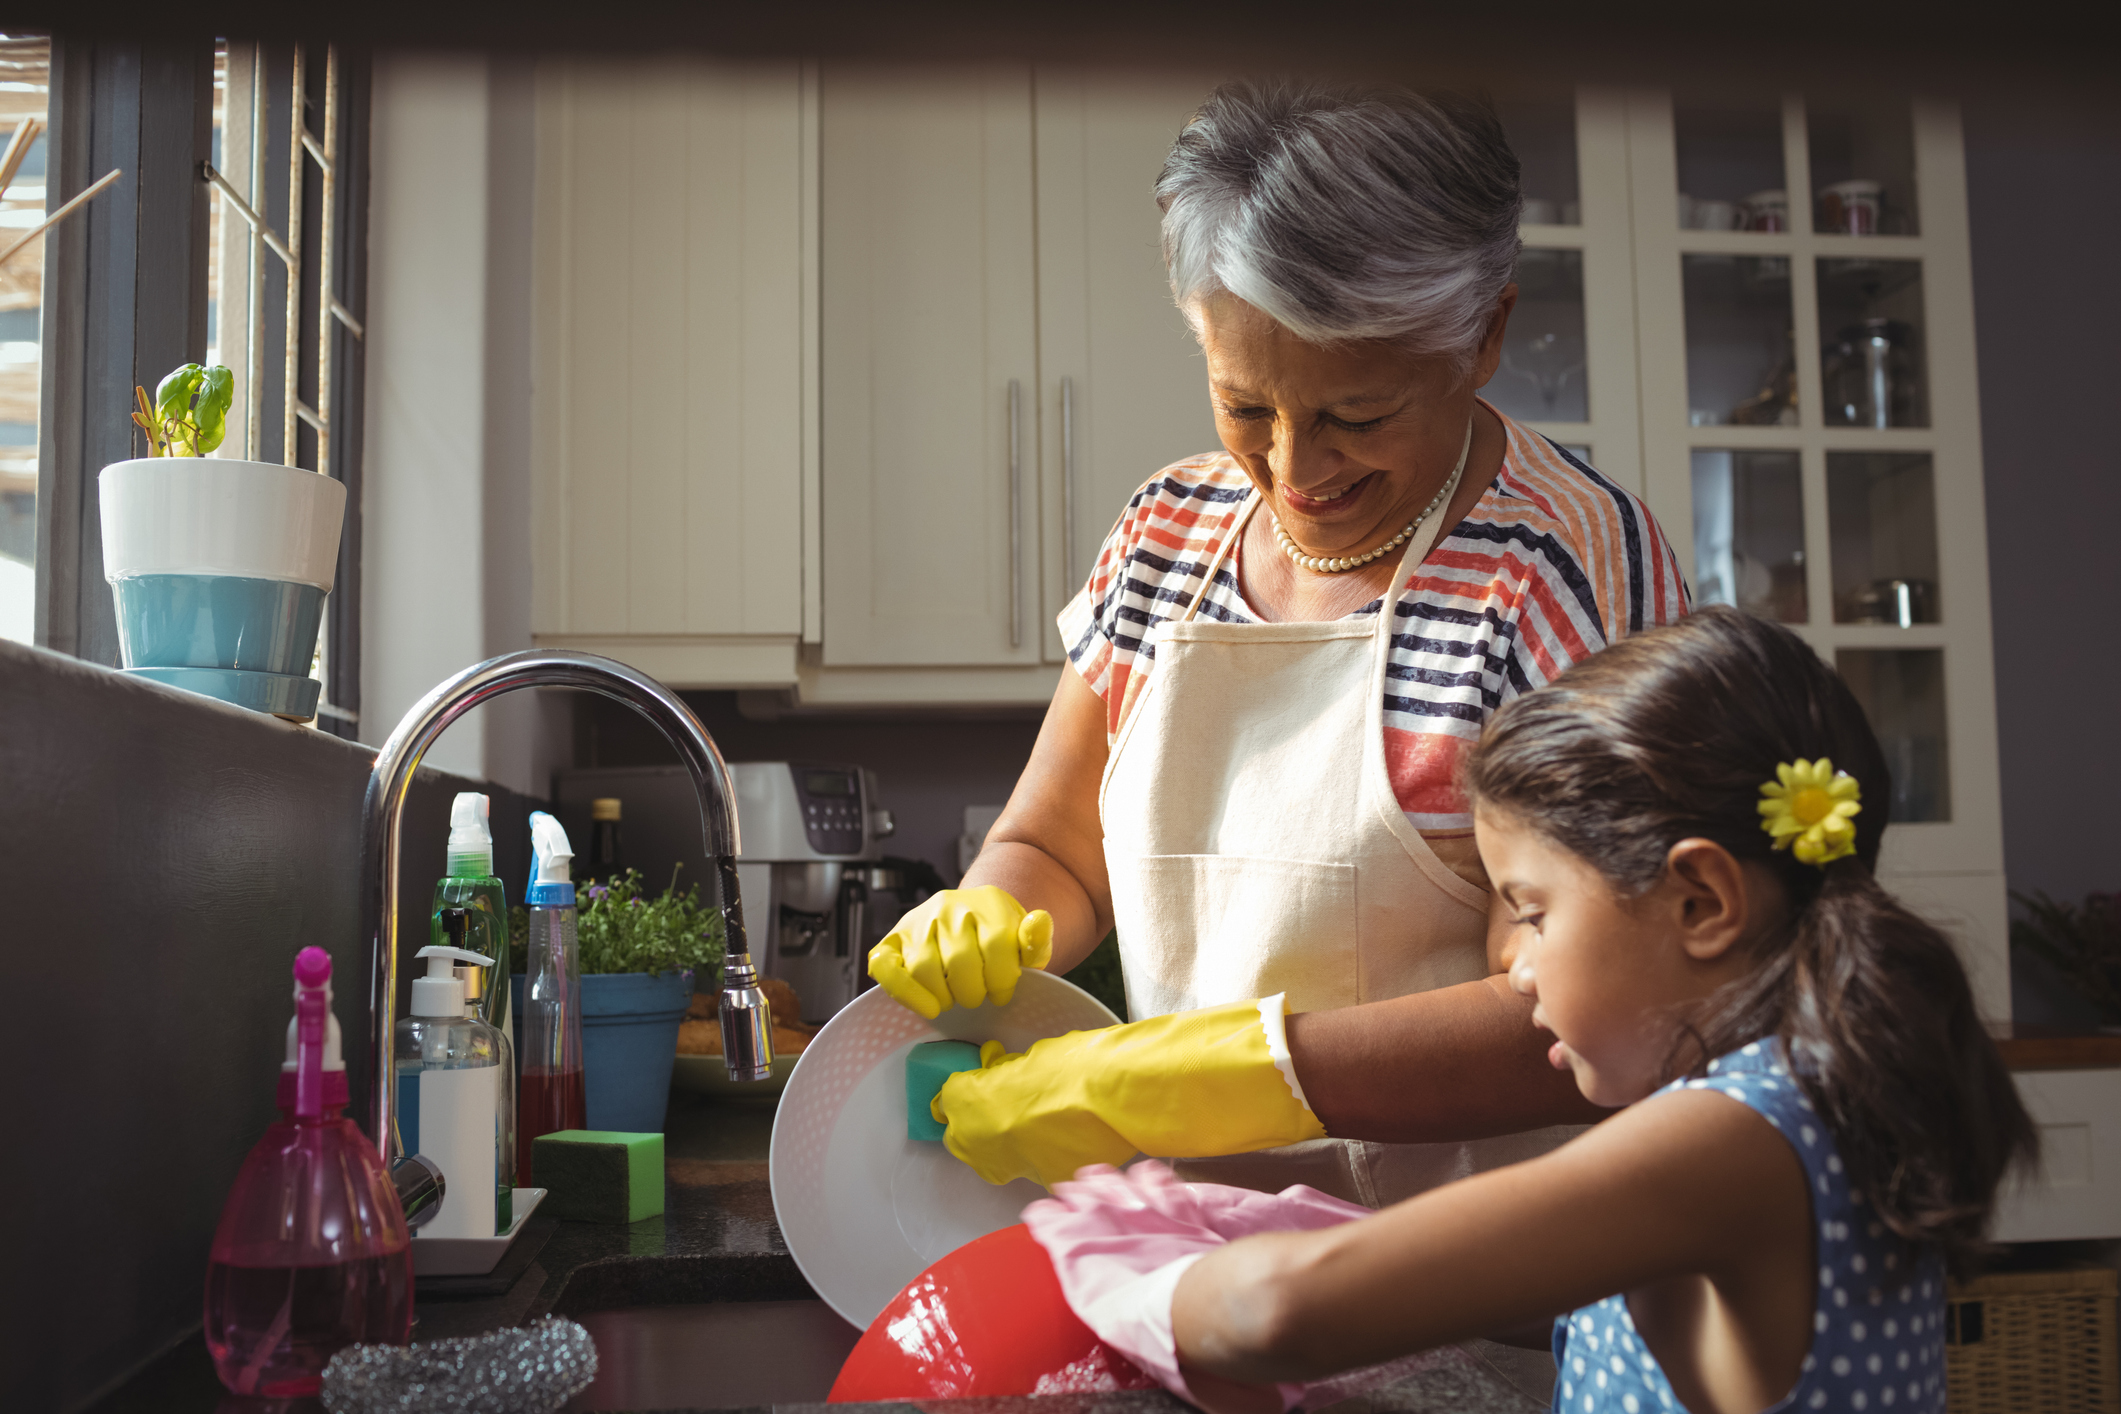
x: 1121, y: 1241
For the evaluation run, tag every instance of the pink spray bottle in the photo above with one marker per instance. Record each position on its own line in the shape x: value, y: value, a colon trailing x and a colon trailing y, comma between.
x: 312, y: 1254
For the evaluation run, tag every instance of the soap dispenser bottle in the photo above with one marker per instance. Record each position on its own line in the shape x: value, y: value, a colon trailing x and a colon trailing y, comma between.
x: 554, y: 1097
x: 472, y: 884
x: 312, y: 1252
x: 456, y: 1094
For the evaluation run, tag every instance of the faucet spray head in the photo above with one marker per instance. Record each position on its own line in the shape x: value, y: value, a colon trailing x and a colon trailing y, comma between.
x: 747, y: 1020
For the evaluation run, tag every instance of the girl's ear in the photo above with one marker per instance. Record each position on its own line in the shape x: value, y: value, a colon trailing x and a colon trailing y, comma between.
x: 1710, y: 888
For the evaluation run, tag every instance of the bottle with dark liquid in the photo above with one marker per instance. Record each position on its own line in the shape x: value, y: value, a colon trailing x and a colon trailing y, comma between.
x: 550, y: 1096
x: 606, y: 857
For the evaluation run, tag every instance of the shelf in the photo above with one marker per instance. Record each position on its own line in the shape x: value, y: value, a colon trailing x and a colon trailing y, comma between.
x: 1694, y: 242
x: 2046, y: 1048
x: 1551, y: 237
x: 1876, y: 636
x: 1808, y: 437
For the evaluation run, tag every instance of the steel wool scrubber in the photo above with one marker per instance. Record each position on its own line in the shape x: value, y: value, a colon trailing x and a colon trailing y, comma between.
x: 533, y: 1370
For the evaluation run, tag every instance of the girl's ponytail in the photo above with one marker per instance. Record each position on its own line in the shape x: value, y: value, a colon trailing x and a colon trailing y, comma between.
x: 1880, y: 1025
x: 1668, y: 735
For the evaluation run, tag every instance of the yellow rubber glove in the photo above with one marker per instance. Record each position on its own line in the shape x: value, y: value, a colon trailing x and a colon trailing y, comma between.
x: 962, y: 946
x: 1187, y: 1085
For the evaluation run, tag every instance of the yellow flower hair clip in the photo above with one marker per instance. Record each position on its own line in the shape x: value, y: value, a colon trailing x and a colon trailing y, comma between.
x: 1809, y: 805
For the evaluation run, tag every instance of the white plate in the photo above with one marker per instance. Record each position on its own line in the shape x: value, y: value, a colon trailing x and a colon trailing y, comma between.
x: 472, y: 1256
x: 864, y: 1209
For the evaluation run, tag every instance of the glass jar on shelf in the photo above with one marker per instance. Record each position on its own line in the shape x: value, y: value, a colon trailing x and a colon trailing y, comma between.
x: 1870, y: 376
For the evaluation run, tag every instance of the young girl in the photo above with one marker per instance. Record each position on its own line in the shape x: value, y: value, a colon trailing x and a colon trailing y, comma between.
x: 1684, y: 828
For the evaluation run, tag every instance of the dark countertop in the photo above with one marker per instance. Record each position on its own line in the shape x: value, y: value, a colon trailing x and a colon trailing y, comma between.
x: 717, y: 1241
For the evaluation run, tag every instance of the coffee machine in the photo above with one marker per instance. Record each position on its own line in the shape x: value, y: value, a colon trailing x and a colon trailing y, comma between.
x: 812, y: 834
x: 817, y: 892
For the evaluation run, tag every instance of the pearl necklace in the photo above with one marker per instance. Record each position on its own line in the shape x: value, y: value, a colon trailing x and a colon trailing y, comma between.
x: 1340, y: 564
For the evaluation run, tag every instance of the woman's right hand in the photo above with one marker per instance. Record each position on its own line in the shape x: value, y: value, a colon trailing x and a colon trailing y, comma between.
x: 961, y: 946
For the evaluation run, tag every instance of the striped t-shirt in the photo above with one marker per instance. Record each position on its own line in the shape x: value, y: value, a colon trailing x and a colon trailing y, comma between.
x: 1553, y: 563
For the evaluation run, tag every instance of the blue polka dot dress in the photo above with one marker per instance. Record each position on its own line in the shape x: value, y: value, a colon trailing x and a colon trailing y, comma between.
x: 1878, y: 1328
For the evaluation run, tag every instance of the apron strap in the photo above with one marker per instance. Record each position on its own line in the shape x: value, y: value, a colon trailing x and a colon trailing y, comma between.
x: 1222, y: 552
x: 1424, y: 541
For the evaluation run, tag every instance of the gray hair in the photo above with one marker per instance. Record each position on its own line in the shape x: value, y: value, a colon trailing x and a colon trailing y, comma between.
x: 1343, y: 213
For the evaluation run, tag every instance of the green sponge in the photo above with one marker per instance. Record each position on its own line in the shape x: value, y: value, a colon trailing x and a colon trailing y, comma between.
x: 599, y: 1175
x: 928, y: 1065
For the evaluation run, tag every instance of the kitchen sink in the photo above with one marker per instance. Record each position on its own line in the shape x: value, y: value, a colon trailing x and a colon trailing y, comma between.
x: 715, y: 1355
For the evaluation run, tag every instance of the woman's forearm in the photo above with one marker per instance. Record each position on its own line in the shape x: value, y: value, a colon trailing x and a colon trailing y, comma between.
x: 1036, y: 879
x: 1460, y: 1062
x: 1048, y: 848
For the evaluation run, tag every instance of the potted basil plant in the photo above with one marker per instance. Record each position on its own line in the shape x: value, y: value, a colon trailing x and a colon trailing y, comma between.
x: 638, y: 956
x: 218, y: 567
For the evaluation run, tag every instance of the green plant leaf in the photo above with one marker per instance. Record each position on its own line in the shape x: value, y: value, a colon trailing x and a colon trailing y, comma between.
x: 2081, y: 941
x: 173, y: 398
x: 621, y: 928
x: 173, y: 394
x: 217, y: 390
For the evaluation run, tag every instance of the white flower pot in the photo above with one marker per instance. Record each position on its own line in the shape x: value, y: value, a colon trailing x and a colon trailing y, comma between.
x: 219, y: 569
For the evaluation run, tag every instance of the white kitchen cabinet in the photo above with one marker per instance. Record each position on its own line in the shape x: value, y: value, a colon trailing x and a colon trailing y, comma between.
x: 1568, y: 365
x: 1841, y: 497
x: 929, y: 367
x: 1122, y: 385
x: 670, y: 288
x: 2076, y: 1192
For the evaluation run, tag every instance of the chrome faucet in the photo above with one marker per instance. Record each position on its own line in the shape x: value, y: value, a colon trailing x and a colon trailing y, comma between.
x: 747, y: 1025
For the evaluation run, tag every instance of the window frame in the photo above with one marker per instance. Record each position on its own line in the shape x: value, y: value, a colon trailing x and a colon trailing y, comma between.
x: 121, y: 309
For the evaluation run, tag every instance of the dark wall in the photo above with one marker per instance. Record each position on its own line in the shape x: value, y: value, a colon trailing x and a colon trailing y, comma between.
x: 165, y: 857
x: 2044, y: 189
x: 928, y: 767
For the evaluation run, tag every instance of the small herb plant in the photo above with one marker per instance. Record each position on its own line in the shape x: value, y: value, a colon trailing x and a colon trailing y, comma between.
x: 618, y: 928
x: 2083, y: 941
x: 189, y: 414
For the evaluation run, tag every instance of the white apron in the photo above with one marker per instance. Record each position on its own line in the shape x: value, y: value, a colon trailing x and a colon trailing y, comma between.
x: 1254, y: 846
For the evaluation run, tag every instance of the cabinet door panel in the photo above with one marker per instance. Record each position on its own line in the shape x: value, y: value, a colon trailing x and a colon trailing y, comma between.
x: 928, y: 314
x: 667, y: 289
x: 1138, y: 388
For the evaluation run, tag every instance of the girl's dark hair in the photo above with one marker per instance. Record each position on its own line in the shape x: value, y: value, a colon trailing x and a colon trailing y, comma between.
x: 1668, y: 735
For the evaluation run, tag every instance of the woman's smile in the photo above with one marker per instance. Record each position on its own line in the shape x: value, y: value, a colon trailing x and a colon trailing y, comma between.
x: 1328, y: 503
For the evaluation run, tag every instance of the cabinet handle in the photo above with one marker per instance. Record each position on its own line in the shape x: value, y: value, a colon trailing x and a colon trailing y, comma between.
x: 1016, y: 519
x: 1067, y: 484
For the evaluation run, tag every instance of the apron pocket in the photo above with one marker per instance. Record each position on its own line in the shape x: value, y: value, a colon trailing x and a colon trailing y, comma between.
x: 1205, y: 929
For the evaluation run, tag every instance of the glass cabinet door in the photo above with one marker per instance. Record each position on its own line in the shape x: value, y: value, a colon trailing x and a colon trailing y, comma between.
x: 1568, y: 359
x: 1810, y: 441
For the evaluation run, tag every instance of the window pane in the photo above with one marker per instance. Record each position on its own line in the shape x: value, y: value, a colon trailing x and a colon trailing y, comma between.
x: 1542, y: 373
x: 1863, y: 167
x: 1730, y: 166
x: 1741, y: 362
x: 1749, y: 532
x: 25, y: 69
x: 1882, y: 510
x: 1902, y: 692
x: 1542, y: 132
x: 1870, y: 312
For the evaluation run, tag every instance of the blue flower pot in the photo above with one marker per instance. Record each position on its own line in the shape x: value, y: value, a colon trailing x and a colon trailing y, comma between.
x: 219, y: 570
x: 630, y: 1046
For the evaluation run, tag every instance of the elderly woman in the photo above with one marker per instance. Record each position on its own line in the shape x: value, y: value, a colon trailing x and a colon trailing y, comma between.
x: 1285, y: 649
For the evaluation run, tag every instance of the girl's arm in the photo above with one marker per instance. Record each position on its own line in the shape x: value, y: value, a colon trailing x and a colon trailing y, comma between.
x: 1689, y: 1183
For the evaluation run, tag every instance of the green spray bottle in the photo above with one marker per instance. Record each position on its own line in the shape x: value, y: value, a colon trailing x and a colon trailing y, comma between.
x: 471, y: 884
